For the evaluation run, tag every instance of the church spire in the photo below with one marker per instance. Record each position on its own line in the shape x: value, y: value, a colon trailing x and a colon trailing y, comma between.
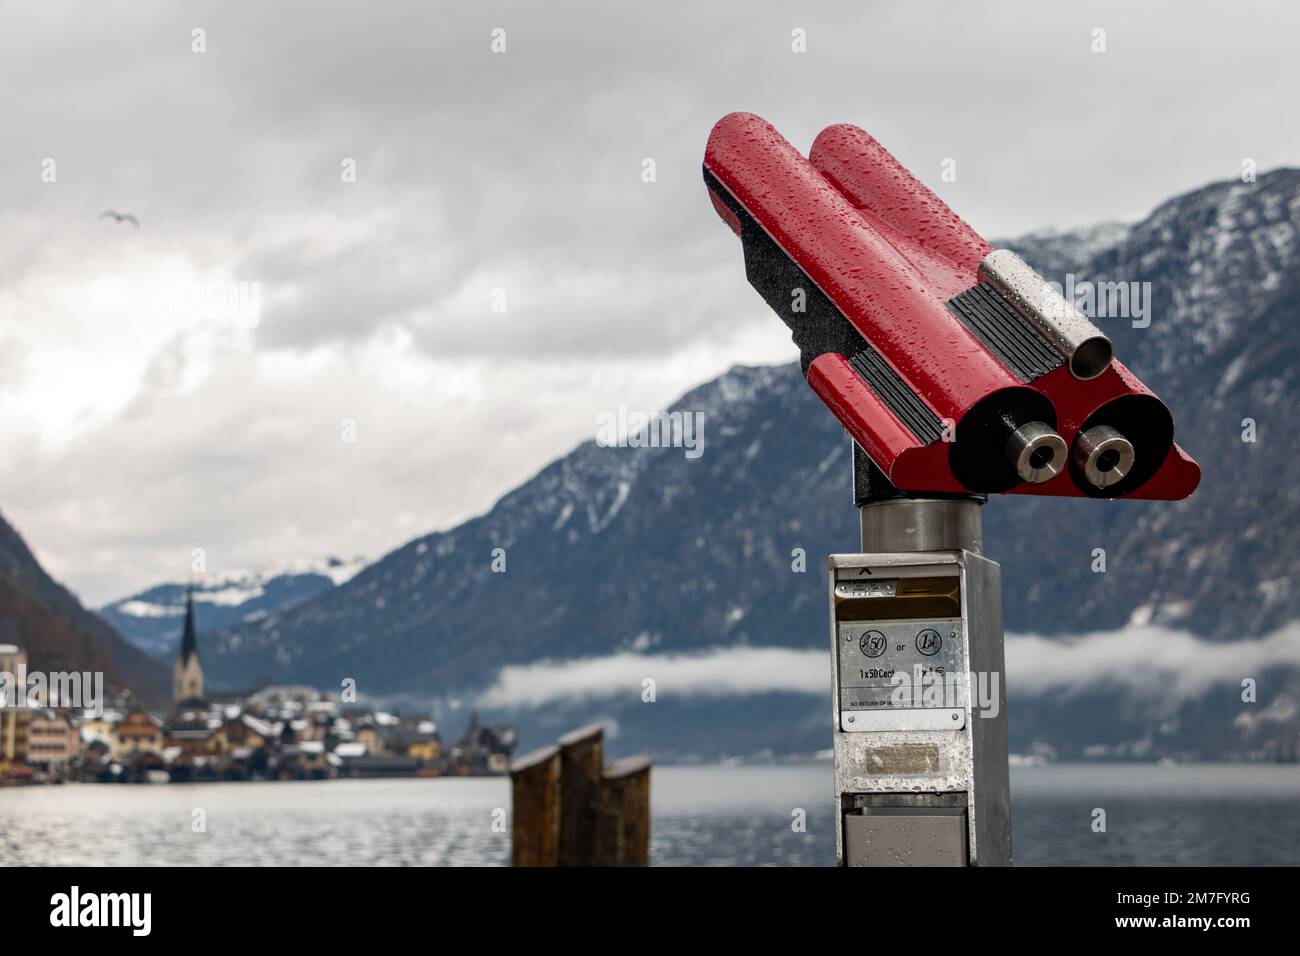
x: 189, y: 644
x: 187, y: 674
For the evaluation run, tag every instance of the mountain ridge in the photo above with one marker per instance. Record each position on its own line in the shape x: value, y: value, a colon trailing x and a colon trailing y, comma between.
x: 58, y: 633
x: 151, y: 619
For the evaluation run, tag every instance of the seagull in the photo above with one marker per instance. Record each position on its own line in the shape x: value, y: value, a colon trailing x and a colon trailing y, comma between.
x: 120, y: 217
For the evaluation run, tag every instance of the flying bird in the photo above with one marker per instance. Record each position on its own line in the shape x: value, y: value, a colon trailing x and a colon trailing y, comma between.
x: 120, y: 217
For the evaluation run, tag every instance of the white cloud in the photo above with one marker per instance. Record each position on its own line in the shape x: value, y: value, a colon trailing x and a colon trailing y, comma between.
x: 1156, y: 662
x: 741, y: 670
x: 1159, y: 664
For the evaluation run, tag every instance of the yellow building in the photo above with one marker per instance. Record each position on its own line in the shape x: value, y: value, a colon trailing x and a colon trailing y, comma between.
x: 138, y: 733
x: 101, y: 726
x: 373, y: 740
x: 243, y: 731
x: 421, y: 741
x: 14, y: 720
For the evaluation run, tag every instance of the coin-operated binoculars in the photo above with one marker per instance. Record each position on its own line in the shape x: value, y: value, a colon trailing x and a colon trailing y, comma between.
x: 958, y: 372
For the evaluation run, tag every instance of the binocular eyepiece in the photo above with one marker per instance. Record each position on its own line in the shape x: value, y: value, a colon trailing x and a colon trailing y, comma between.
x: 1036, y: 452
x: 1101, y: 454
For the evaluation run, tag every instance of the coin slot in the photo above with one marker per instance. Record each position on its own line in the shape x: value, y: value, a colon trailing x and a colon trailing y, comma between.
x: 921, y: 598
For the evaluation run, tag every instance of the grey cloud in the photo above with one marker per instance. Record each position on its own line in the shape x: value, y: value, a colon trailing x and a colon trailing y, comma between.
x: 518, y: 171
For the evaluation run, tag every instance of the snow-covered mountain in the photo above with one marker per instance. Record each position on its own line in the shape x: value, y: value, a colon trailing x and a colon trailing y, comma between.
x: 645, y: 555
x: 151, y: 619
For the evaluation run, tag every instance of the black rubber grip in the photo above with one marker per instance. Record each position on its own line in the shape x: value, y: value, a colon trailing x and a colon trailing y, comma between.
x: 897, y: 395
x: 1006, y: 333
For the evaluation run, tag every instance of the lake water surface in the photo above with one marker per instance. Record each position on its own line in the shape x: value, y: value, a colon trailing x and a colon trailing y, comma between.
x: 1194, y: 815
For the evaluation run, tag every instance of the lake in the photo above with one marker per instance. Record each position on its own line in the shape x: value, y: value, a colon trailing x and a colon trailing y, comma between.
x: 1190, y: 815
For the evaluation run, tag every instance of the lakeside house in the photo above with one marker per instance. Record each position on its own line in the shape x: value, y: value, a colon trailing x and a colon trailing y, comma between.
x: 14, y: 720
x: 53, y: 742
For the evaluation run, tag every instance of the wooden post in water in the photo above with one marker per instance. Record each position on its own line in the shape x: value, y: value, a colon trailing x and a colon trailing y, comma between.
x: 535, y: 830
x: 582, y: 758
x: 624, y: 826
x: 571, y: 810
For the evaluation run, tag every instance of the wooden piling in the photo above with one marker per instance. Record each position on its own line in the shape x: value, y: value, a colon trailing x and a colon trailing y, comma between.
x: 535, y: 789
x: 571, y: 810
x: 624, y: 825
x: 582, y: 760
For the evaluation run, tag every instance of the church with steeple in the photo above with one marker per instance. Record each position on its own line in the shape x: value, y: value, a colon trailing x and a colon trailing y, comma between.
x: 187, y: 675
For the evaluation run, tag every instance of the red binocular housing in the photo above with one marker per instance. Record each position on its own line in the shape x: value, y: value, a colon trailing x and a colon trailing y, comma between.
x: 955, y: 366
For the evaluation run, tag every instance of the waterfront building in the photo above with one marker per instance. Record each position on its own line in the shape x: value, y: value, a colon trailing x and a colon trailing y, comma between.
x: 14, y: 720
x: 138, y: 733
x: 419, y: 739
x: 485, y: 749
x: 52, y: 740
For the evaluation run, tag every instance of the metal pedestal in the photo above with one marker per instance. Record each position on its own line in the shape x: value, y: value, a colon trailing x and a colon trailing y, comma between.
x: 920, y: 742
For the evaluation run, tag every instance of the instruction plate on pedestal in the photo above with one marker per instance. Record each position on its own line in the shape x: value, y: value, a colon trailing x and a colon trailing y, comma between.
x: 902, y: 675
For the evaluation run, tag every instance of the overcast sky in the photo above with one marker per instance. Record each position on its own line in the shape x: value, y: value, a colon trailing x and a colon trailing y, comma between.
x: 140, y: 423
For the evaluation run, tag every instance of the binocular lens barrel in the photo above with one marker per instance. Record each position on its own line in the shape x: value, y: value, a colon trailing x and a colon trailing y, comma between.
x: 1037, y: 452
x: 1103, y: 455
x: 1071, y: 334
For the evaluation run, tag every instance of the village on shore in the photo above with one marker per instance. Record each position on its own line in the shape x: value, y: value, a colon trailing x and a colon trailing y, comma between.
x: 275, y: 733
